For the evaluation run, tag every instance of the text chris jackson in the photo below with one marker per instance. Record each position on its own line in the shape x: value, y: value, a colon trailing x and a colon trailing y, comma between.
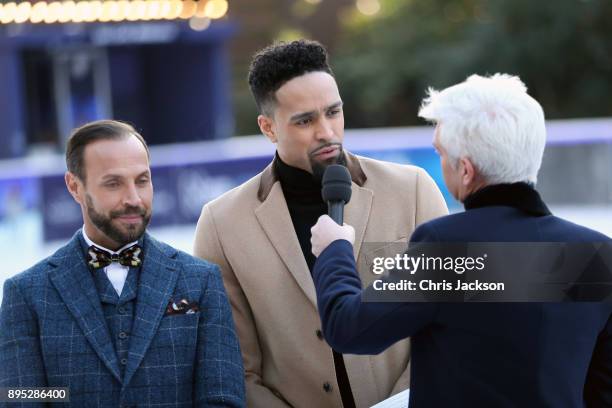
x: 412, y: 264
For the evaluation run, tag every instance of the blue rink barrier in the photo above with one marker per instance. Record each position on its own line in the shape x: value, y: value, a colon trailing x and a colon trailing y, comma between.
x: 186, y: 176
x: 180, y: 191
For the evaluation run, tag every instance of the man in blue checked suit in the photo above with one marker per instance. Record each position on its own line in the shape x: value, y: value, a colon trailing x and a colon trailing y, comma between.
x: 119, y: 318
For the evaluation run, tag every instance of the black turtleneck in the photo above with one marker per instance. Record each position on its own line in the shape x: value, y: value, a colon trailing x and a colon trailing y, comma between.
x: 302, y: 192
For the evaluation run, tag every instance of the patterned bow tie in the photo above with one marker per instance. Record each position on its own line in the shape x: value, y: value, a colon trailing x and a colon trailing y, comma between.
x: 99, y: 258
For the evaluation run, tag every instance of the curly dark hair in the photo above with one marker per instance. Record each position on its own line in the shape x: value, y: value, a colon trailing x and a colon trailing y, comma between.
x: 276, y: 64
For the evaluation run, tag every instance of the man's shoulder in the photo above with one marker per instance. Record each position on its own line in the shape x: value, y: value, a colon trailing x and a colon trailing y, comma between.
x: 62, y: 254
x: 439, y: 228
x: 35, y: 273
x: 404, y: 182
x: 504, y: 223
x: 572, y: 232
x: 378, y: 168
x: 188, y: 262
x: 242, y: 195
x: 197, y: 271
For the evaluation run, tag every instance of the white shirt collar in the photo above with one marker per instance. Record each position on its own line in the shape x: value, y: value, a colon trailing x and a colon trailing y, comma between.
x: 116, y: 273
x: 90, y: 243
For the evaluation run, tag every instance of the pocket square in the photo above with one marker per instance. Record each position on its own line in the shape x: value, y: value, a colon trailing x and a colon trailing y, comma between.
x: 182, y: 307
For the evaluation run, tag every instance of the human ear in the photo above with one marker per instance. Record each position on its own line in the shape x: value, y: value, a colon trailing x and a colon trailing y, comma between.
x: 467, y: 171
x: 266, y: 125
x: 74, y: 186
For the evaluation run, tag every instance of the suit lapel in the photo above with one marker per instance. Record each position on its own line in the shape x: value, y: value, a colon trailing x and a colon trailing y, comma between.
x: 273, y: 216
x: 357, y: 214
x: 75, y: 284
x: 158, y: 277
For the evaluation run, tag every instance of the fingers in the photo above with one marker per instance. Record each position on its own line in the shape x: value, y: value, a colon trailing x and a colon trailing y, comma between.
x: 350, y: 237
x: 326, y: 231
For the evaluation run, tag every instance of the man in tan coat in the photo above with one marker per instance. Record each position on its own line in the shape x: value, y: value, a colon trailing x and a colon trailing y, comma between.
x: 259, y: 235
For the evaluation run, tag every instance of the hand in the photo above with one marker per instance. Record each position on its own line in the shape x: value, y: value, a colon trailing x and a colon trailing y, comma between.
x: 326, y: 231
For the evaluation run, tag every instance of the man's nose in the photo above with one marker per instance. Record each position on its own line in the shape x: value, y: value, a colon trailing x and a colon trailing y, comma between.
x: 325, y: 131
x: 131, y: 196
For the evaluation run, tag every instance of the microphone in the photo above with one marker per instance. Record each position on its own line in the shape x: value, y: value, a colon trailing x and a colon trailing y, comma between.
x: 336, y: 191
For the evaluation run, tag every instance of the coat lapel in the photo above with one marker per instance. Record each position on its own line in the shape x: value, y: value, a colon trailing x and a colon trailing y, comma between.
x: 273, y: 216
x: 357, y: 214
x: 158, y: 276
x: 75, y: 284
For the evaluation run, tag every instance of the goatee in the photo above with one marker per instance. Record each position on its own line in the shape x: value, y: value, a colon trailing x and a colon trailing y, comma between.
x: 105, y: 223
x: 319, y: 167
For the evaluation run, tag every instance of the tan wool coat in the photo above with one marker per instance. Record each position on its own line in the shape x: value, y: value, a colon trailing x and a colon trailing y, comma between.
x: 248, y: 232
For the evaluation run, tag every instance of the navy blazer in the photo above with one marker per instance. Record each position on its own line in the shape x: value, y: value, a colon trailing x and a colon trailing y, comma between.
x: 53, y: 334
x: 478, y: 355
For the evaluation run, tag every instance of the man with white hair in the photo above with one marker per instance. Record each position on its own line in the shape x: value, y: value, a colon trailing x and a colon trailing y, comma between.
x: 490, y: 135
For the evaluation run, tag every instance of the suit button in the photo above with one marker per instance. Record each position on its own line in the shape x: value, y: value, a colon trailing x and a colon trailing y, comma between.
x: 121, y: 310
x: 123, y: 361
x: 327, y: 387
x: 123, y: 335
x: 319, y: 334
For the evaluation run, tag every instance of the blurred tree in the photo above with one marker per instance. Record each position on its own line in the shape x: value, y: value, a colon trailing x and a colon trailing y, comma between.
x: 561, y: 49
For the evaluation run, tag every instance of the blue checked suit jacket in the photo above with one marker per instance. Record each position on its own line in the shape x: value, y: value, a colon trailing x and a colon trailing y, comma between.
x: 53, y: 334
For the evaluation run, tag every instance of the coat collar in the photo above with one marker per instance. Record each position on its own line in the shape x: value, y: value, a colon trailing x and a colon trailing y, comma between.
x: 521, y: 196
x: 269, y: 176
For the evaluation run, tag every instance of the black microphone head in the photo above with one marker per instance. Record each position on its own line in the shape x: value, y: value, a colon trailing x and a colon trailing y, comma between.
x: 336, y: 184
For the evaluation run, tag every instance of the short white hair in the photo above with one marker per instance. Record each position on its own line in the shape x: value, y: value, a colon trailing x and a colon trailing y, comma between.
x: 493, y: 122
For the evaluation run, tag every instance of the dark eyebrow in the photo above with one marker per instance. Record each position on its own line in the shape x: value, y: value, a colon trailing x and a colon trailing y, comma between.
x: 335, y: 105
x: 108, y: 177
x: 111, y: 177
x: 304, y: 115
x: 300, y: 116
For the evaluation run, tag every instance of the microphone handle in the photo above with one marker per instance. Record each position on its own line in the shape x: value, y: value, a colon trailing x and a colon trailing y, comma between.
x: 335, y: 209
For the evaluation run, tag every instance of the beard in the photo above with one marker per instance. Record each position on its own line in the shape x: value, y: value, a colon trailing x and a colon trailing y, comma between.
x: 319, y: 166
x: 105, y: 224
